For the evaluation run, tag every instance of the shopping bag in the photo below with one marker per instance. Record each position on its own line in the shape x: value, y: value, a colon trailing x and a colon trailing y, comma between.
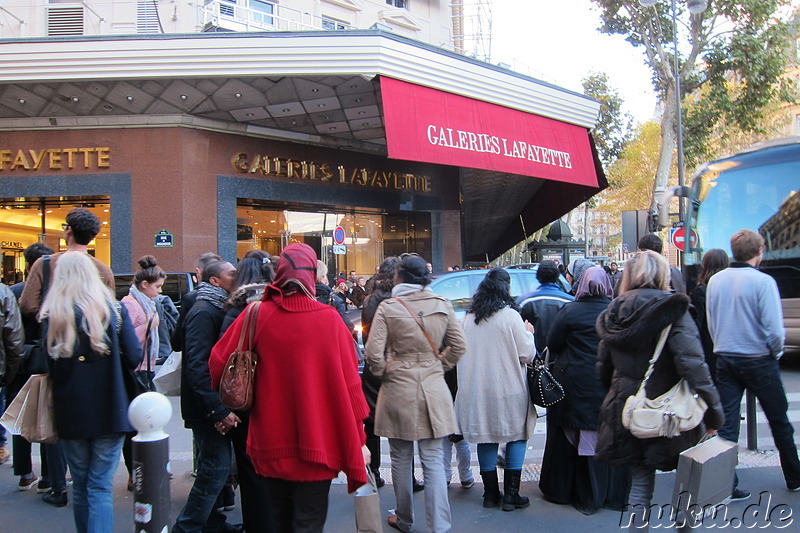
x: 168, y: 378
x: 31, y: 414
x: 704, y: 478
x: 368, y: 507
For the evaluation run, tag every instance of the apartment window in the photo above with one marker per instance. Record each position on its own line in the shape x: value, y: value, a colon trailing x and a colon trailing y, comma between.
x: 147, y: 17
x: 64, y: 18
x: 329, y: 23
x: 398, y: 3
x: 263, y: 10
x: 227, y: 8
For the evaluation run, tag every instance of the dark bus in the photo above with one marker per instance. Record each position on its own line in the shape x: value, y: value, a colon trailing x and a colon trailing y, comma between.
x: 755, y: 189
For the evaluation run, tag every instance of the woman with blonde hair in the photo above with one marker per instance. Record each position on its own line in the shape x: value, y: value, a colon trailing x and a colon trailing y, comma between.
x: 92, y: 344
x: 629, y: 330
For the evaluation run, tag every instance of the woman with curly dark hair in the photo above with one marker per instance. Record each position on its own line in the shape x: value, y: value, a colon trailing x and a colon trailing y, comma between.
x: 493, y: 404
x: 714, y: 260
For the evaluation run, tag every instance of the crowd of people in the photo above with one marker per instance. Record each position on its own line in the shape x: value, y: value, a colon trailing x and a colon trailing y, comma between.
x: 430, y: 382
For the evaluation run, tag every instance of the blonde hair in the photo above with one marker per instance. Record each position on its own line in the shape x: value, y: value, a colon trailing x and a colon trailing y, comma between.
x: 76, y: 285
x: 645, y: 270
x: 322, y: 272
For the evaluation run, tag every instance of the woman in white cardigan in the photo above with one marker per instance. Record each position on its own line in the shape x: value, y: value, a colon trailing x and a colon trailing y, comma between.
x: 493, y: 404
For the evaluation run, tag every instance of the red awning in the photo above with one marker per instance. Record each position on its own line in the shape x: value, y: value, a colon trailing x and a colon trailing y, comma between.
x: 431, y: 126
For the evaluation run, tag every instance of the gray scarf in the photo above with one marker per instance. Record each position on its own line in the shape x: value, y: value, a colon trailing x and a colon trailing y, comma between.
x: 216, y: 295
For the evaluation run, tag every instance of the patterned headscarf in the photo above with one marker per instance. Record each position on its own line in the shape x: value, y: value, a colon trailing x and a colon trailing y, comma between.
x: 594, y: 282
x: 576, y: 270
x: 298, y: 264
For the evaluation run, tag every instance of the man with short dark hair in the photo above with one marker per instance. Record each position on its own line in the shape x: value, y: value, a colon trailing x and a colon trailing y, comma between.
x: 201, y: 408
x: 188, y: 299
x: 541, y: 306
x: 651, y: 241
x: 80, y: 228
x: 743, y: 310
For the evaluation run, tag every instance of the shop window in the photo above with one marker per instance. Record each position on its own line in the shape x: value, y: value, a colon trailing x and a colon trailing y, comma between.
x: 398, y: 3
x: 24, y: 221
x: 262, y: 12
x: 329, y: 23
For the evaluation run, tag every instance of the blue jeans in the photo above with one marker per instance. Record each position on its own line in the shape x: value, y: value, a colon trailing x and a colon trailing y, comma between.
x: 213, y: 468
x: 515, y: 455
x: 93, y: 463
x: 761, y: 375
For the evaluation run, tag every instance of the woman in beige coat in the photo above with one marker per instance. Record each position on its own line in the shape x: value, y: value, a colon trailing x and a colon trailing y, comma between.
x: 414, y: 403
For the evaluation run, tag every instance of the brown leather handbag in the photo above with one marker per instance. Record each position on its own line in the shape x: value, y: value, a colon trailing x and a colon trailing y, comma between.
x: 236, y: 385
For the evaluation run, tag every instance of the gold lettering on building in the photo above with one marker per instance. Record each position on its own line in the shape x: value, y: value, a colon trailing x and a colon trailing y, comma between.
x: 55, y: 158
x: 325, y: 172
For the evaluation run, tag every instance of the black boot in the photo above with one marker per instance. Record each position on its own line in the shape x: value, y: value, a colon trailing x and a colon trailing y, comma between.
x: 512, y: 500
x: 491, y: 489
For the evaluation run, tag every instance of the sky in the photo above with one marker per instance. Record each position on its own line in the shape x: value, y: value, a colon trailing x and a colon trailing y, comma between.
x: 557, y: 41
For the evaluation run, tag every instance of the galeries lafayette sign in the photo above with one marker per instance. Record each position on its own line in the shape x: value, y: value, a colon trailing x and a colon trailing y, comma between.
x: 424, y: 124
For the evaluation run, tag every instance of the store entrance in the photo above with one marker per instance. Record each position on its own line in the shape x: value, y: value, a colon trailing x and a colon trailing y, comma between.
x: 369, y: 234
x: 24, y: 221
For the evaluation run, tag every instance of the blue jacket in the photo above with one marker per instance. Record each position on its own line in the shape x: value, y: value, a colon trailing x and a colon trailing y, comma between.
x: 89, y: 395
x: 540, y: 308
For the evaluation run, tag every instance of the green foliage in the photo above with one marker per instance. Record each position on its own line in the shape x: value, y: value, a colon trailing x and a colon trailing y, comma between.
x: 613, y: 129
x: 734, y: 51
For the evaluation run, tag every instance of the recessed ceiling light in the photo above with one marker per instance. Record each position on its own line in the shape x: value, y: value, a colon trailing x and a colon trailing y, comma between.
x: 285, y: 109
x: 362, y: 113
x: 357, y: 100
x: 76, y: 99
x: 238, y: 95
x: 354, y: 86
x: 22, y: 100
x: 107, y: 107
x: 250, y: 115
x: 129, y: 98
x: 320, y: 105
x: 314, y: 90
x: 183, y: 97
x: 294, y: 123
x: 332, y: 128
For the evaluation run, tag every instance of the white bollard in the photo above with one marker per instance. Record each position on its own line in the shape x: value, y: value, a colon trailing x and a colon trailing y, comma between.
x: 148, y: 414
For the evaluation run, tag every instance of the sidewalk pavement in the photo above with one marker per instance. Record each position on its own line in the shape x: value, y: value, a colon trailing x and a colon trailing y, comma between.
x: 25, y: 512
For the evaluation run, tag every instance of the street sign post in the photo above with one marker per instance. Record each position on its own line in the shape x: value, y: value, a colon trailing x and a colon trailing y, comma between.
x: 678, y: 238
x: 338, y: 235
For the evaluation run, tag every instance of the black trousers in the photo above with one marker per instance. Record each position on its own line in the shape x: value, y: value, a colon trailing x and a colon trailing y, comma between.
x: 298, y: 507
x: 253, y: 488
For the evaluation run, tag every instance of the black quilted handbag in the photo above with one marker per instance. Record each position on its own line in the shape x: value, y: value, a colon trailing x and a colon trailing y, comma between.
x: 544, y: 388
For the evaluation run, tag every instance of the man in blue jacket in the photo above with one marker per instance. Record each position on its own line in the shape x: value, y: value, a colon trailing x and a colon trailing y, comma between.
x: 541, y: 306
x: 743, y: 309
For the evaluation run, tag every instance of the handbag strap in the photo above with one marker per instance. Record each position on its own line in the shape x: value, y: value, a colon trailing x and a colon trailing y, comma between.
x: 662, y: 340
x: 249, y: 327
x: 418, y: 319
x: 148, y: 340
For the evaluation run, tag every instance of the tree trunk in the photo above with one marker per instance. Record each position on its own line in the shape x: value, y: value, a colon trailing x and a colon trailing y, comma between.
x: 668, y: 144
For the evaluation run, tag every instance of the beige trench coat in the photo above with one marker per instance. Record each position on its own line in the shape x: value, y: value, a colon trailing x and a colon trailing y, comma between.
x: 414, y: 402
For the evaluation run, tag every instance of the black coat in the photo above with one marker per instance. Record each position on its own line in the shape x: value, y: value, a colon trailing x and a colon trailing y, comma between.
x: 199, y: 402
x: 90, y: 399
x: 629, y: 330
x: 573, y: 344
x: 370, y: 384
x: 326, y: 295
x: 187, y: 301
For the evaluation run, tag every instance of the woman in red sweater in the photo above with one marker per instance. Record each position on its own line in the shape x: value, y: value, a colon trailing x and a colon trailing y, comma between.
x: 306, y: 424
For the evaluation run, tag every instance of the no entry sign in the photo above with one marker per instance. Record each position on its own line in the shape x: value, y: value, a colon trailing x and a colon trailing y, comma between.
x: 338, y: 235
x: 679, y: 238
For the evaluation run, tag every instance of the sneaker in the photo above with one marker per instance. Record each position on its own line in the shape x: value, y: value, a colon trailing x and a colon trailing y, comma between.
x: 739, y: 494
x: 56, y: 499
x: 793, y: 487
x: 228, y: 500
x: 417, y: 486
x: 467, y: 484
x: 4, y: 454
x: 379, y: 481
x: 44, y: 486
x: 27, y: 484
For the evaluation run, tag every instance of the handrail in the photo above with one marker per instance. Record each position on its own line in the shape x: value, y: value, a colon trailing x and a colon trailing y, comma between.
x: 283, y: 18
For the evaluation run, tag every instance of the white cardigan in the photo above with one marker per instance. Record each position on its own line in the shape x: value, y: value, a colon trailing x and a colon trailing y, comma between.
x: 493, y: 404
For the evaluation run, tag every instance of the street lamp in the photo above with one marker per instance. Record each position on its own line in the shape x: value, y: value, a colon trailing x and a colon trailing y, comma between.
x: 695, y: 8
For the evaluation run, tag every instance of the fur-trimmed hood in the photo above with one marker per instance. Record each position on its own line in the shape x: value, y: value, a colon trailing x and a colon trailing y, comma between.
x: 638, y: 316
x: 246, y: 294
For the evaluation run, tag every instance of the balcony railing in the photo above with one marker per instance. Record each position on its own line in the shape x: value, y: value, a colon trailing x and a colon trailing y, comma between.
x: 229, y: 16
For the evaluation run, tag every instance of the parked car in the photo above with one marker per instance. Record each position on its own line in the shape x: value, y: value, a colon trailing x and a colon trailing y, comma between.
x: 458, y: 287
x: 175, y: 286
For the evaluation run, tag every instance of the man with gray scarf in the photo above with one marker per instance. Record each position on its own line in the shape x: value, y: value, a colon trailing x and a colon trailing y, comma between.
x: 201, y: 408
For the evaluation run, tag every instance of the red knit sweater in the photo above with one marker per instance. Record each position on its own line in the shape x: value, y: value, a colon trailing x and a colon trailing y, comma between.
x: 306, y: 423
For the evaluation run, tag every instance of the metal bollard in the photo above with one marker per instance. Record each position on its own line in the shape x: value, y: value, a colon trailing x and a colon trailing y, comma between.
x: 752, y: 421
x: 149, y: 413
